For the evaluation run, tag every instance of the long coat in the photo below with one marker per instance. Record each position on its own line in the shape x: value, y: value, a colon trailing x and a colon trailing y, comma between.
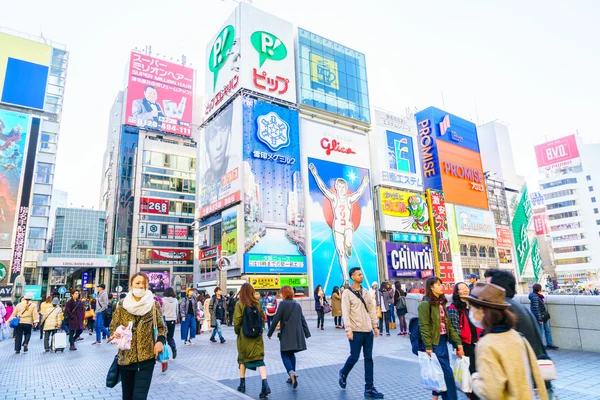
x: 336, y: 305
x: 76, y: 313
x: 294, y: 329
x: 249, y: 349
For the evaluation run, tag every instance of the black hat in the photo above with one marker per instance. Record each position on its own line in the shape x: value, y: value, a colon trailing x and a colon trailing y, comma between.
x: 102, y: 285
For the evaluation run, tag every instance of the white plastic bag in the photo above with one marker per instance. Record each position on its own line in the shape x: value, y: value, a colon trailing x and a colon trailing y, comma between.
x: 124, y: 342
x: 432, y: 376
x: 462, y: 376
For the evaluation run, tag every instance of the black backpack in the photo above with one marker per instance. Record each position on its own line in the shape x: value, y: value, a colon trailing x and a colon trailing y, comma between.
x: 414, y: 333
x: 252, y: 323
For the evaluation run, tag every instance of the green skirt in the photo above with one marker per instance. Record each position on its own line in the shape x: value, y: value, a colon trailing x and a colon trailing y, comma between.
x: 254, y: 364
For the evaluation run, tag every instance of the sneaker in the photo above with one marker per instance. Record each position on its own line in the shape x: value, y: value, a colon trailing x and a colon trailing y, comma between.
x: 387, y: 334
x: 185, y: 343
x: 373, y: 394
x: 342, y: 380
x: 174, y: 354
x: 400, y: 333
x: 17, y: 352
x: 190, y: 341
x: 212, y: 339
x: 223, y: 340
x: 294, y: 378
x: 25, y: 348
x: 79, y: 339
x: 96, y: 342
x: 552, y: 347
x: 72, y: 348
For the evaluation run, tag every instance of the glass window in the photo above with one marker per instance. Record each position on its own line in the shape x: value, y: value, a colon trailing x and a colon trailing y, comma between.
x: 48, y: 142
x: 588, y: 177
x: 41, y: 199
x: 45, y: 173
x: 492, y: 252
x: 595, y: 211
x: 593, y: 199
x: 37, y: 233
x: 591, y: 188
x: 561, y: 182
x: 36, y: 244
x: 40, y: 211
x: 473, y: 251
x: 463, y: 250
x: 482, y: 252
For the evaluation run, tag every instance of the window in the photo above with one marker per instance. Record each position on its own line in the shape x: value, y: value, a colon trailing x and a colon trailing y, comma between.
x: 463, y: 250
x: 595, y: 211
x: 558, y: 183
x: 37, y: 233
x: 41, y: 199
x: 561, y: 204
x: 40, y: 211
x: 563, y: 215
x: 48, y: 142
x: 473, y: 251
x: 591, y: 188
x: 482, y: 252
x: 598, y: 222
x: 45, y: 173
x: 492, y: 252
x: 593, y: 199
x: 36, y: 244
x: 560, y: 193
x: 588, y: 177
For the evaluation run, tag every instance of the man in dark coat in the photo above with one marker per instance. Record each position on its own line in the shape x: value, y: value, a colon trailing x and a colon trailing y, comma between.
x: 75, y: 312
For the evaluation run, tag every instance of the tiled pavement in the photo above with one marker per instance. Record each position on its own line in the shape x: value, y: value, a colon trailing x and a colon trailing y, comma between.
x: 209, y: 370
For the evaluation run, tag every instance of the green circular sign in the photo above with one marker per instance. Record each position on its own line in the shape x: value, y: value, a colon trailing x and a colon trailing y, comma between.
x: 2, y: 271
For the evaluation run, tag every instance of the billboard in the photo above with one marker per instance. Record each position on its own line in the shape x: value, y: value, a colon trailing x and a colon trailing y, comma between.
x: 24, y: 67
x: 275, y: 282
x: 341, y: 206
x: 158, y: 280
x: 267, y: 65
x: 402, y: 211
x: 160, y: 95
x: 154, y: 206
x: 540, y: 223
x: 171, y: 256
x: 558, y: 153
x: 13, y: 141
x: 152, y: 230
x: 229, y: 236
x: 220, y: 160
x: 440, y: 239
x: 332, y: 77
x: 520, y: 227
x: 394, y: 152
x: 503, y: 237
x: 475, y: 222
x: 408, y: 260
x: 273, y: 188
x: 536, y: 198
x: 454, y: 243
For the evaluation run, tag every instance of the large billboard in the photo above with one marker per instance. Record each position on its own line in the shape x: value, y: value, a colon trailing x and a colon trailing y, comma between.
x: 520, y: 227
x: 267, y: 65
x: 229, y: 237
x: 408, y: 260
x: 440, y: 239
x: 558, y: 153
x: 220, y: 160
x: 475, y: 222
x: 24, y: 67
x: 394, y: 152
x: 503, y: 237
x: 332, y: 77
x: 160, y: 95
x: 273, y: 189
x: 340, y: 204
x: 13, y: 141
x: 402, y: 211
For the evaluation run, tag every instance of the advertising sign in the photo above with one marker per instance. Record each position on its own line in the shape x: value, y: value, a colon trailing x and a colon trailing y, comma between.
x: 273, y: 197
x: 171, y: 256
x: 154, y: 206
x: 13, y: 140
x: 19, y: 249
x: 158, y: 280
x: 475, y: 222
x: 341, y: 206
x: 6, y: 291
x: 229, y: 236
x: 220, y: 164
x: 503, y: 237
x: 540, y: 224
x: 558, y: 153
x: 333, y: 77
x: 440, y: 239
x: 3, y: 271
x: 407, y: 260
x: 520, y: 226
x: 211, y: 252
x: 536, y: 260
x: 408, y: 237
x: 267, y: 264
x: 35, y: 290
x: 205, y: 237
x: 505, y: 256
x: 403, y: 211
x: 276, y: 282
x: 454, y: 243
x: 536, y: 198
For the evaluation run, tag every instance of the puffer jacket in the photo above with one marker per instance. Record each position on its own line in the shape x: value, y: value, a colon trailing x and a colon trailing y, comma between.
x: 52, y: 318
x: 184, y: 304
x: 538, y: 308
x: 28, y: 313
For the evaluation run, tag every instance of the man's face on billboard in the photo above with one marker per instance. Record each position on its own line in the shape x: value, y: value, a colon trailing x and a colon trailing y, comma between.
x: 151, y: 95
x: 217, y: 142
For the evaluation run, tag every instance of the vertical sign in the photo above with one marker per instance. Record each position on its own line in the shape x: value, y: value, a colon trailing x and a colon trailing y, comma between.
x: 520, y: 224
x: 454, y: 244
x: 536, y: 260
x: 441, y: 239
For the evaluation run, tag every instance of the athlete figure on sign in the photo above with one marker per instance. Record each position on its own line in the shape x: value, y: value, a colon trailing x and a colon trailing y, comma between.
x: 341, y: 203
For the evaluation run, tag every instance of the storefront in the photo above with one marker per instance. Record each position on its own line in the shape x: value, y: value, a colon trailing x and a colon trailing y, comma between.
x: 408, y: 263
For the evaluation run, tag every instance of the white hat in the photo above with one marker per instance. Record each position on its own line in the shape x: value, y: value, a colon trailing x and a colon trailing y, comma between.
x: 28, y: 296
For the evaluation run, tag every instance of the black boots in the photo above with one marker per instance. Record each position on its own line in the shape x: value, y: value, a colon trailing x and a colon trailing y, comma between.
x: 266, y: 390
x: 242, y: 387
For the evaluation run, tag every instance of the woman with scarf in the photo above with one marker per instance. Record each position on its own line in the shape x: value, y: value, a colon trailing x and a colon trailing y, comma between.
x: 136, y: 365
x: 538, y: 308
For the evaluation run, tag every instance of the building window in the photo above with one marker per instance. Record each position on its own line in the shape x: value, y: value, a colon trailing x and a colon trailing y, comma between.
x: 482, y: 252
x: 588, y: 177
x: 595, y: 211
x: 463, y: 250
x: 591, y: 188
x: 40, y: 211
x: 492, y: 252
x: 473, y: 251
x: 561, y: 182
x: 45, y: 173
x: 36, y: 244
x: 598, y: 222
x: 48, y: 142
x: 37, y: 233
x: 593, y: 199
x: 41, y: 199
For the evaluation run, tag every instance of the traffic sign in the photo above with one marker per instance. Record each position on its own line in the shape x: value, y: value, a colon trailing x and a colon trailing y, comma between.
x: 62, y: 290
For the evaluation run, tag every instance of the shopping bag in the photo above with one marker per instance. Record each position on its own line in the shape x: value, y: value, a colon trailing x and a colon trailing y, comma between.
x: 392, y: 325
x: 462, y: 375
x: 432, y: 376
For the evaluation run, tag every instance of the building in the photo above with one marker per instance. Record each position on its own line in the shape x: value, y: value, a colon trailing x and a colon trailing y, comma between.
x: 59, y: 199
x: 33, y: 73
x: 149, y: 180
x: 569, y: 183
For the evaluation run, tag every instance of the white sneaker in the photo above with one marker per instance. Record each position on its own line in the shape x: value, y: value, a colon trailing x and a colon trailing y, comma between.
x: 190, y: 342
x: 185, y: 343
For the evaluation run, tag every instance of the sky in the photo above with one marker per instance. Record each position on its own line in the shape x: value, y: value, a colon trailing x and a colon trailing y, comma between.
x: 534, y: 65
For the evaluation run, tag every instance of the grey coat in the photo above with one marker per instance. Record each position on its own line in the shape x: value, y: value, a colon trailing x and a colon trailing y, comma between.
x: 183, y: 306
x: 294, y: 329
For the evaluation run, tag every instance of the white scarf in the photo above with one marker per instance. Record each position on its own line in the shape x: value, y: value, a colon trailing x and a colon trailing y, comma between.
x: 141, y: 307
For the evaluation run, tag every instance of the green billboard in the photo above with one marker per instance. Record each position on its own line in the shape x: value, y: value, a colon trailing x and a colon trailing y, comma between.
x: 520, y: 225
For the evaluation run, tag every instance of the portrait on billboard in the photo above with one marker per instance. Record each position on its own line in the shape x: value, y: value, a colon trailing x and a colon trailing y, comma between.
x: 229, y: 236
x: 13, y: 140
x: 148, y: 108
x: 158, y: 281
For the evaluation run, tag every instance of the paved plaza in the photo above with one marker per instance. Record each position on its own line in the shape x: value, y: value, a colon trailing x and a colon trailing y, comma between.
x: 209, y: 370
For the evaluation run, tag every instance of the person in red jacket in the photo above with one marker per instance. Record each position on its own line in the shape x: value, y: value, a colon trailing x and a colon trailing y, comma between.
x: 458, y: 312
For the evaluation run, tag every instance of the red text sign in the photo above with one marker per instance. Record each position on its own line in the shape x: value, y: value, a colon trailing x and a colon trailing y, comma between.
x: 440, y: 238
x: 154, y: 206
x: 334, y: 145
x: 503, y: 237
x: 557, y: 153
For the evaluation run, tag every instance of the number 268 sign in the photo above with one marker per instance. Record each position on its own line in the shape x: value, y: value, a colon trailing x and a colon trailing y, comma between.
x: 154, y: 206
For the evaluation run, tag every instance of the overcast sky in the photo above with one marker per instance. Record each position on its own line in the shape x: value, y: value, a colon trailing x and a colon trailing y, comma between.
x: 533, y: 64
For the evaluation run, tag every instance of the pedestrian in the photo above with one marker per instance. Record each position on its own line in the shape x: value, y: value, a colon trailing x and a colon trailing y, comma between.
x: 384, y: 299
x: 231, y: 307
x: 336, y: 307
x: 43, y: 308
x: 538, y: 308
x: 401, y: 309
x: 320, y: 306
x: 360, y: 320
x: 51, y: 322
x: 75, y: 313
x: 108, y: 313
x: 437, y: 331
x: 3, y: 318
x: 199, y: 314
x: 271, y: 307
x: 27, y: 311
x: 248, y: 322
x: 473, y: 278
x: 89, y: 315
x: 217, y: 314
x: 187, y: 310
x: 342, y: 289
x: 137, y: 364
x: 373, y: 292
x: 156, y: 297
x: 170, y: 309
x: 458, y: 312
x: 101, y: 306
x: 207, y: 318
x: 293, y: 333
x: 506, y: 364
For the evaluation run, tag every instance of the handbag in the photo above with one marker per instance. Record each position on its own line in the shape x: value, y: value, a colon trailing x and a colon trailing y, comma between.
x: 326, y: 308
x: 545, y: 316
x: 392, y: 325
x: 548, y: 370
x: 114, y: 375
x: 379, y: 313
x: 164, y: 356
x: 89, y: 314
x: 532, y: 385
x: 17, y: 320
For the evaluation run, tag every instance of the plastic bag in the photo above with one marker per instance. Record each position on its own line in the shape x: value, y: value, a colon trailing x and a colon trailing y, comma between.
x: 432, y: 376
x: 124, y: 342
x: 462, y: 375
x: 4, y: 332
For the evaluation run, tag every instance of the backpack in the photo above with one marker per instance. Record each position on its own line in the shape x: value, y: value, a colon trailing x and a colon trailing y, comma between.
x: 271, y: 305
x: 415, y: 336
x: 252, y: 323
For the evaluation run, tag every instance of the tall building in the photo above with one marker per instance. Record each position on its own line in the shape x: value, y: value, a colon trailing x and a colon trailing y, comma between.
x: 60, y: 199
x: 33, y: 73
x: 569, y: 183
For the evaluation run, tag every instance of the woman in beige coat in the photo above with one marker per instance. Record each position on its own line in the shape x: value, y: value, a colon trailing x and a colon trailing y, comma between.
x: 52, y: 320
x: 336, y: 307
x: 206, y: 324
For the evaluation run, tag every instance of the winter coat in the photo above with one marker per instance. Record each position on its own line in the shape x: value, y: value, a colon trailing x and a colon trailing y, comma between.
x: 336, y: 305
x: 44, y: 307
x: 170, y: 308
x: 28, y: 313
x: 429, y: 325
x: 52, y: 318
x: 294, y: 329
x: 249, y: 349
x: 401, y: 311
x: 207, y: 312
x: 183, y: 306
x: 9, y: 312
x: 318, y: 306
x: 538, y: 308
x: 212, y: 308
x: 385, y: 299
x: 461, y: 323
x: 76, y: 314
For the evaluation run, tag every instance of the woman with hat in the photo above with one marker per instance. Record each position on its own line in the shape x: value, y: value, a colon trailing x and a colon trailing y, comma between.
x: 27, y: 312
x: 506, y: 365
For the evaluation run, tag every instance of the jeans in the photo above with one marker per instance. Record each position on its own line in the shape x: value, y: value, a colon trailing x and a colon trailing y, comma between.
x: 364, y: 341
x: 337, y: 321
x: 441, y: 351
x: 545, y: 329
x: 136, y: 383
x: 320, y: 317
x: 65, y: 327
x: 217, y: 330
x: 386, y: 319
x: 22, y: 330
x: 100, y: 328
x: 188, y: 325
x: 392, y: 313
x: 74, y: 334
x: 289, y: 361
x: 269, y: 320
x: 171, y: 334
x: 47, y: 335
